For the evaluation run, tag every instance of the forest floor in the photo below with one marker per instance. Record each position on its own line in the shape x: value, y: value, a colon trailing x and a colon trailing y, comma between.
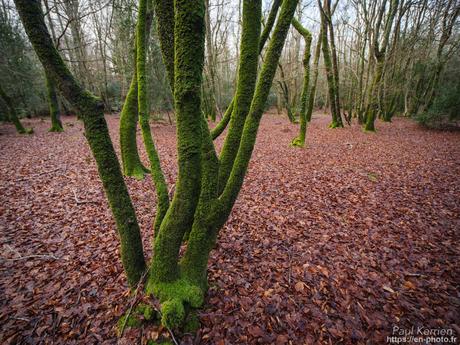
x: 337, y: 243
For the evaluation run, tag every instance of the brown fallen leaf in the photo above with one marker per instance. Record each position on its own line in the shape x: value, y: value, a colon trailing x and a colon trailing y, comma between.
x: 388, y: 289
x: 299, y: 286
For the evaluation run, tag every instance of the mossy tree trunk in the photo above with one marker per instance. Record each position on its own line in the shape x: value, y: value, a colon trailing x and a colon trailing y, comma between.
x: 299, y: 141
x: 379, y: 56
x: 314, y: 82
x: 185, y: 284
x: 332, y: 87
x: 335, y: 65
x: 90, y: 110
x: 213, y: 107
x: 12, y: 113
x: 220, y: 127
x: 204, y: 196
x: 145, y: 13
x: 56, y: 124
x: 285, y: 92
x: 131, y: 162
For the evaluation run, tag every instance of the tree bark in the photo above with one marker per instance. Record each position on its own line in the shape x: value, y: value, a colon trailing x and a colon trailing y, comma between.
x: 299, y: 141
x: 97, y: 135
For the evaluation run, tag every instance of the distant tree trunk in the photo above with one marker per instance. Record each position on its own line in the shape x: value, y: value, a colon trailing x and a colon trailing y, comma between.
x: 285, y: 92
x: 332, y: 87
x: 299, y: 141
x: 449, y: 19
x: 53, y: 101
x: 56, y: 124
x: 311, y: 98
x: 379, y: 55
x: 335, y: 64
x: 12, y: 114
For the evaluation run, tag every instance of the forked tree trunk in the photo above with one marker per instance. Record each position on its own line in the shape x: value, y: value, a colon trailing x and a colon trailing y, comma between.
x: 197, y: 207
x: 144, y: 21
x: 220, y: 127
x: 53, y: 102
x: 187, y: 284
x: 335, y: 64
x: 379, y: 55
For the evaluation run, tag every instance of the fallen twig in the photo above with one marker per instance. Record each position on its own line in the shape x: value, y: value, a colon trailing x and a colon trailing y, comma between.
x: 169, y: 330
x: 39, y: 174
x: 132, y: 303
x: 20, y: 257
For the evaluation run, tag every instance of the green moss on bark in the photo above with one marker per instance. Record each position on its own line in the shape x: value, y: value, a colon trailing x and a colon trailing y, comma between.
x: 188, y: 67
x: 331, y: 83
x: 212, y: 212
x: 132, y: 165
x: 13, y: 116
x: 142, y: 30
x: 56, y: 124
x: 311, y: 98
x: 220, y: 127
x: 299, y: 141
x: 247, y: 76
x: 90, y: 110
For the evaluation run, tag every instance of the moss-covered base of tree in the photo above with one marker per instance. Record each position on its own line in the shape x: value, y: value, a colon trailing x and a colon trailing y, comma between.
x: 56, y: 128
x: 298, y: 142
x: 176, y: 298
x: 137, y: 171
x: 192, y: 323
x: 386, y: 119
x: 140, y: 315
x: 370, y: 129
x: 26, y: 131
x: 335, y: 124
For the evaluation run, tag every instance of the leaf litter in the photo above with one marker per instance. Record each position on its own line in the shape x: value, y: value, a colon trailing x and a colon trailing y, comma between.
x: 331, y: 244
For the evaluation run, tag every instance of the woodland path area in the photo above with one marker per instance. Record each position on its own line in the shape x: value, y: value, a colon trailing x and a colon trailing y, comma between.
x: 332, y: 244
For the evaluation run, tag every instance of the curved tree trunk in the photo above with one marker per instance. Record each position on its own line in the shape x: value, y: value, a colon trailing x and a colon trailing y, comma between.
x: 142, y: 34
x: 97, y: 135
x: 131, y: 162
x: 300, y: 139
x: 311, y: 98
x: 220, y: 127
